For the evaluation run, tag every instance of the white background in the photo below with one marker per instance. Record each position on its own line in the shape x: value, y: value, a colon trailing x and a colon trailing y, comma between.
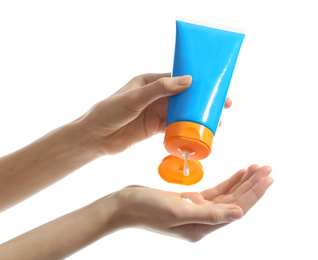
x: 58, y: 58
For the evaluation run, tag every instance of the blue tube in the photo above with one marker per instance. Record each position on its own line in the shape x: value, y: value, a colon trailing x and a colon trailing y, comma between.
x: 209, y: 55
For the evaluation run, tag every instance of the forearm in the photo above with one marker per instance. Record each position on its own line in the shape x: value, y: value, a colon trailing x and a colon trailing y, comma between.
x: 65, y: 235
x: 45, y: 161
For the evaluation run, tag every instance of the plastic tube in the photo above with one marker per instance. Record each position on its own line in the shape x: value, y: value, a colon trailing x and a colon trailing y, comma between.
x: 209, y: 54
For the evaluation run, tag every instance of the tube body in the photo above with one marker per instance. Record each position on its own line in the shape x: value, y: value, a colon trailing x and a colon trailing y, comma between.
x: 209, y: 55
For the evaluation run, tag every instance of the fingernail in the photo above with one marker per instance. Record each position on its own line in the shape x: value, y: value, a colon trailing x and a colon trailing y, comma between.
x: 184, y: 80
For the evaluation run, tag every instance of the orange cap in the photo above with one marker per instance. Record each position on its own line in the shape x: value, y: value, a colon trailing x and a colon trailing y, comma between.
x: 171, y: 170
x: 188, y: 136
x: 184, y: 136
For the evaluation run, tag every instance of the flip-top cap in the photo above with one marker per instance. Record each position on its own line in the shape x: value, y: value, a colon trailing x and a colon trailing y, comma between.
x: 184, y: 136
x: 171, y: 170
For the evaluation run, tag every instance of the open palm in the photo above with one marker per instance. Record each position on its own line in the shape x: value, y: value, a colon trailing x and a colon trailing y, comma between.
x: 193, y: 215
x: 243, y: 189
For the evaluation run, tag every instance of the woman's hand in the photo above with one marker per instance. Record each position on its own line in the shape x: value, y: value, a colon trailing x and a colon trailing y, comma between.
x: 189, y: 216
x: 135, y: 112
x: 193, y: 215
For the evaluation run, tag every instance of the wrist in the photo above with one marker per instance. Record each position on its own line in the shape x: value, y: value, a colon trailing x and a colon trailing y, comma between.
x: 130, y: 209
x: 113, y: 212
x: 86, y: 138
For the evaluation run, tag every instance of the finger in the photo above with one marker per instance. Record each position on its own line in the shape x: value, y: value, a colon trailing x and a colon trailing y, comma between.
x: 158, y: 114
x: 249, y: 172
x: 211, y: 214
x: 140, y: 81
x: 249, y: 199
x: 152, y: 77
x: 228, y: 103
x: 140, y: 98
x: 248, y: 184
x: 259, y: 174
x: 223, y: 187
x: 194, y: 231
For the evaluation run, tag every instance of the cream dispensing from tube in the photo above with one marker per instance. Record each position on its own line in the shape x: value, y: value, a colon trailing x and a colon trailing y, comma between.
x: 208, y: 53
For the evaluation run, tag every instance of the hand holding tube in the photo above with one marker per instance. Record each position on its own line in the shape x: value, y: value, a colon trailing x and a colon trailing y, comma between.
x: 135, y: 112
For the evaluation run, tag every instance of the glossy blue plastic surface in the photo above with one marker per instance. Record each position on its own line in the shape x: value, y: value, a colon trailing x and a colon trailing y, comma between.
x: 209, y: 56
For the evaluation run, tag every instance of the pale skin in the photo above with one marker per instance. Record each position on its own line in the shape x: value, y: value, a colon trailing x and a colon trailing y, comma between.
x: 132, y: 114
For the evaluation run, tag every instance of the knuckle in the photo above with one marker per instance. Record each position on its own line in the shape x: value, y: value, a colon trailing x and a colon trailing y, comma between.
x: 139, y: 80
x: 217, y: 216
x: 139, y: 77
x: 164, y: 84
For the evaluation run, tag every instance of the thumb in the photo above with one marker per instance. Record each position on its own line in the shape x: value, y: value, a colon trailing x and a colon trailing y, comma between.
x: 140, y: 98
x: 213, y: 214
